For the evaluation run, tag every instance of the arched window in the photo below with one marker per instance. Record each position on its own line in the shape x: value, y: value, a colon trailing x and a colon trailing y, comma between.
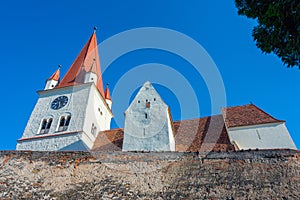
x: 43, y: 126
x: 48, y: 126
x: 64, y: 123
x: 61, y: 124
x: 68, y: 121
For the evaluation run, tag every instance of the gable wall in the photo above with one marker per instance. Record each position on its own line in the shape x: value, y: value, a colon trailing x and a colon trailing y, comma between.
x: 266, y: 136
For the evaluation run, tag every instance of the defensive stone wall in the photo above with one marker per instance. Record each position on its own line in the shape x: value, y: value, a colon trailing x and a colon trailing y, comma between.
x: 268, y: 174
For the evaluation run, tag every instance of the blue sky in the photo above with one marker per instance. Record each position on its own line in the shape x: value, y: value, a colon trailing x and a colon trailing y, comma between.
x: 36, y: 36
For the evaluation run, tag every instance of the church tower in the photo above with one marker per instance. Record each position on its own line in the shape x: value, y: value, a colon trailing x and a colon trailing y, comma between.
x: 69, y: 113
x: 148, y: 123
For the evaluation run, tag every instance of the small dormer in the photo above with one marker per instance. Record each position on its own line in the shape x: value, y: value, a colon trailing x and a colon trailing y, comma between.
x: 91, y: 74
x: 53, y: 80
x: 90, y: 77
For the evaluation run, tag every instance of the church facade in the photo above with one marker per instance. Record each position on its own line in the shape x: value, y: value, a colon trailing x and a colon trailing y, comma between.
x: 74, y: 113
x: 69, y: 113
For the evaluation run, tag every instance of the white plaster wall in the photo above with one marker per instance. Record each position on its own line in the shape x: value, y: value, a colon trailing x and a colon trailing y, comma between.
x: 95, y: 106
x: 109, y: 103
x: 49, y: 143
x: 152, y: 133
x: 50, y: 84
x: 267, y: 136
x: 76, y: 107
x: 91, y: 77
x: 171, y: 136
x: 84, y: 101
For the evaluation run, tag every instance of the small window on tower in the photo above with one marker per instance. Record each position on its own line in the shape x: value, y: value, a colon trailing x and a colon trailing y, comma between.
x: 148, y: 105
x: 48, y: 126
x: 64, y: 123
x: 154, y: 99
x: 94, y: 129
x: 43, y: 126
x: 146, y: 116
x: 61, y: 124
x: 68, y: 121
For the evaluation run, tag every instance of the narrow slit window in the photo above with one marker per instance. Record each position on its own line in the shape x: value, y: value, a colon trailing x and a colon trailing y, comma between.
x: 146, y: 116
x: 258, y: 135
x: 92, y: 129
x: 148, y: 105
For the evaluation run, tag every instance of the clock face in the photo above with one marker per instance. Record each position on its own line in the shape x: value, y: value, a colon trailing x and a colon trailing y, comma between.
x: 59, y: 102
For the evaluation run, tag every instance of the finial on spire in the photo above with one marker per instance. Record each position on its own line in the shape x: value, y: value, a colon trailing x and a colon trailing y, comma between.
x: 107, y: 84
x: 95, y: 29
x: 59, y: 66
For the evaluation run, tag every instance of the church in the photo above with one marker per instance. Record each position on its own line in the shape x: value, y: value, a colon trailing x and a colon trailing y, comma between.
x: 74, y: 113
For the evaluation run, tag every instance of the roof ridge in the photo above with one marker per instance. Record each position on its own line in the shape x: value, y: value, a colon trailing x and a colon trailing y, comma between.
x: 267, y: 113
x: 238, y: 105
x: 198, y: 118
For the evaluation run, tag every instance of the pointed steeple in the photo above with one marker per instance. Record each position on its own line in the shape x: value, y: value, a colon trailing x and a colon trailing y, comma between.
x: 53, y: 80
x: 87, y: 61
x: 107, y: 96
x: 107, y: 93
x: 56, y: 75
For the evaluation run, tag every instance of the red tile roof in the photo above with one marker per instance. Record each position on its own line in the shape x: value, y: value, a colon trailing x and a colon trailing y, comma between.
x: 201, y: 134
x: 87, y: 61
x: 204, y: 134
x: 110, y: 140
x: 246, y: 115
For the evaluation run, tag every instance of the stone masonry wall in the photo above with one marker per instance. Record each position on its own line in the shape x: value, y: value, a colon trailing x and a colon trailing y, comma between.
x: 273, y: 174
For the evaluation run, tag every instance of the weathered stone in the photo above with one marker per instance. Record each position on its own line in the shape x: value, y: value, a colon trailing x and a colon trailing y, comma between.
x: 270, y: 174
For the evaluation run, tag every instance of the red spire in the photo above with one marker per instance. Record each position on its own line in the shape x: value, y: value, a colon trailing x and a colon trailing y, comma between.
x: 107, y: 93
x: 87, y: 61
x: 55, y: 76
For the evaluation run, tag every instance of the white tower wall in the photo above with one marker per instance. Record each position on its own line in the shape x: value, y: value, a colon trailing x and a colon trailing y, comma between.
x: 83, y: 103
x: 148, y: 126
x: 91, y: 77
